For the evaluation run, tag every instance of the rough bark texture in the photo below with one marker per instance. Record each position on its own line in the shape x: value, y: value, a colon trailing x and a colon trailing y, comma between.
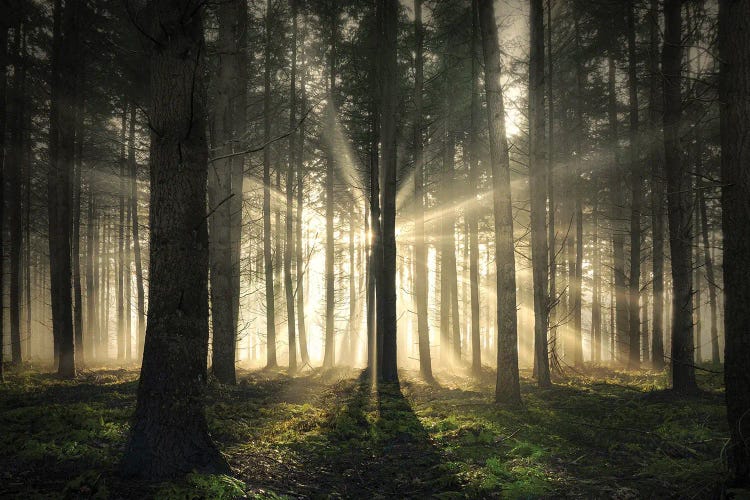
x: 678, y: 205
x: 537, y: 188
x: 388, y: 21
x: 420, y: 249
x: 141, y: 295
x: 61, y: 149
x: 508, y: 388
x: 169, y: 435
x: 734, y: 96
x: 3, y: 116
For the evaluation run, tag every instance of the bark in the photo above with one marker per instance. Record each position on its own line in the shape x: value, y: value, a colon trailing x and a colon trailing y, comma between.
x: 61, y: 156
x: 508, y: 388
x: 678, y: 205
x: 289, y: 221
x: 267, y: 261
x: 141, y: 307
x: 388, y: 76
x: 76, y: 237
x: 169, y: 434
x: 537, y: 189
x: 329, y: 357
x: 551, y: 231
x: 734, y: 96
x: 300, y: 264
x: 576, y: 289
x: 121, y: 242
x: 13, y: 169
x: 710, y: 274
x: 472, y: 210
x: 617, y: 217
x: 223, y: 186
x: 657, y: 190
x: 3, y: 117
x: 636, y: 189
x: 420, y: 248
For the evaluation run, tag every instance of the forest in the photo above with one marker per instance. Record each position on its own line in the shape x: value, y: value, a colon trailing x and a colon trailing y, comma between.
x: 374, y: 249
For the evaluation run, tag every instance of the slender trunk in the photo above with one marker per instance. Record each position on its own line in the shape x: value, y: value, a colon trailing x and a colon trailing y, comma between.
x: 473, y: 208
x: 576, y: 291
x: 551, y: 208
x: 657, y: 190
x: 267, y: 261
x: 537, y: 189
x: 13, y: 178
x: 508, y: 388
x: 420, y: 248
x: 329, y: 357
x: 141, y: 300
x: 636, y: 189
x: 121, y: 242
x: 300, y: 264
x: 710, y: 274
x: 76, y: 237
x: 678, y: 204
x: 289, y: 221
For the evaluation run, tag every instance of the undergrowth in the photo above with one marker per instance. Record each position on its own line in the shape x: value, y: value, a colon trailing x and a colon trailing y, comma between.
x: 603, y: 433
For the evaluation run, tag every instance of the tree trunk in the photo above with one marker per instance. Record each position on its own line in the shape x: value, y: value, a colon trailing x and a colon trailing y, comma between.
x: 537, y: 189
x: 329, y: 357
x: 289, y: 221
x: 420, y: 248
x: 61, y: 156
x: 169, y: 434
x: 617, y: 216
x: 551, y: 230
x: 636, y: 189
x: 508, y: 388
x: 121, y: 241
x: 576, y: 292
x: 3, y: 91
x: 472, y: 209
x: 734, y: 96
x: 13, y: 168
x: 387, y: 48
x: 657, y: 191
x: 223, y: 186
x: 267, y: 261
x: 76, y: 237
x: 141, y: 298
x: 678, y: 205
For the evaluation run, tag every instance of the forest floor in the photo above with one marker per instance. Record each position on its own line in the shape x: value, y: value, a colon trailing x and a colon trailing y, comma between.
x: 327, y: 434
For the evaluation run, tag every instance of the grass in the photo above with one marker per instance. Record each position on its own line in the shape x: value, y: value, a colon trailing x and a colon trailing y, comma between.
x: 328, y: 434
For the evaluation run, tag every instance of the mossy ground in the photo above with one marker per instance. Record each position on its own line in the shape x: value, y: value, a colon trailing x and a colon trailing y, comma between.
x: 327, y: 434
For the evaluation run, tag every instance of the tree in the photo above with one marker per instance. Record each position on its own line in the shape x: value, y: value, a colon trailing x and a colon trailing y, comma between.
x: 420, y: 250
x: 169, y: 433
x: 267, y: 261
x: 508, y: 389
x: 223, y: 186
x: 734, y: 98
x: 679, y: 208
x: 61, y: 154
x: 386, y: 286
x: 537, y: 188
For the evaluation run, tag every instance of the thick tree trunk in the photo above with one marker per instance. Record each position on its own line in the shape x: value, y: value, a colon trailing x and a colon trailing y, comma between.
x: 636, y: 189
x: 420, y: 248
x: 3, y: 117
x: 61, y: 156
x: 734, y: 96
x: 537, y: 188
x: 678, y: 205
x: 267, y: 261
x: 387, y: 48
x: 169, y: 434
x: 508, y: 388
x: 657, y: 189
